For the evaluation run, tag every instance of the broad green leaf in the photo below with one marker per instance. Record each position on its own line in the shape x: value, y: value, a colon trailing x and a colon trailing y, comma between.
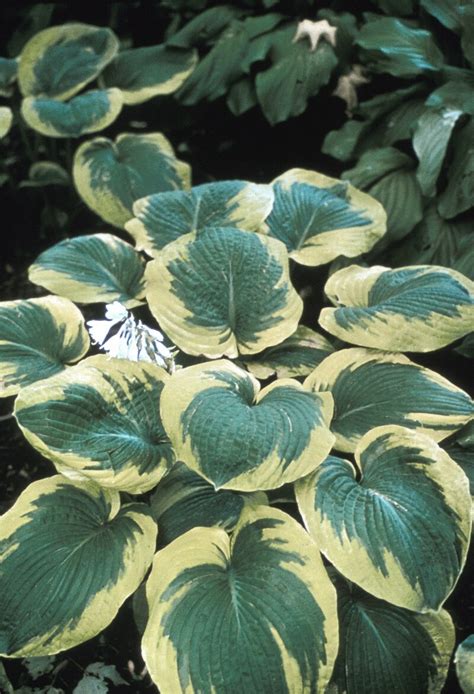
x: 460, y: 447
x: 398, y: 48
x: 298, y: 355
x: 164, y: 217
x: 110, y: 176
x: 8, y: 74
x: 184, y: 500
x: 240, y: 437
x: 385, y: 648
x: 100, y: 420
x: 85, y: 113
x: 242, y: 96
x: 438, y: 241
x: 398, y: 524
x: 398, y: 7
x: 38, y: 338
x: 142, y: 73
x: 341, y: 144
x: 254, y: 613
x: 373, y: 388
x: 204, y: 27
x: 464, y: 660
x: 455, y: 94
x: 228, y: 60
x: 467, y: 32
x: 297, y: 73
x: 46, y: 173
x: 57, y: 62
x: 410, y: 309
x: 69, y: 557
x: 6, y: 119
x: 223, y: 292
x: 430, y: 142
x: 459, y: 193
x: 320, y: 218
x: 446, y: 11
x: 91, y: 269
x: 389, y: 176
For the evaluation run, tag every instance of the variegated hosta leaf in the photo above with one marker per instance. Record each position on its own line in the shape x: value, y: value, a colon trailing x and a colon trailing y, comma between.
x: 320, y: 218
x: 46, y: 173
x: 69, y: 557
x: 402, y: 530
x: 100, y: 420
x: 254, y: 613
x: 223, y: 292
x: 142, y: 73
x: 38, y: 338
x: 110, y: 176
x: 8, y: 74
x: 373, y: 388
x: 240, y: 437
x: 410, y: 309
x: 90, y: 269
x: 164, y: 217
x: 57, y: 62
x: 298, y: 355
x: 85, y: 113
x: 184, y: 500
x: 464, y: 660
x: 6, y: 119
x: 384, y: 648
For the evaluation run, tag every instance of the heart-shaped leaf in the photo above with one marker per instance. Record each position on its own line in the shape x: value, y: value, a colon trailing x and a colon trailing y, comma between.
x: 90, y: 269
x: 69, y: 558
x: 385, y: 648
x: 320, y: 218
x: 164, y: 217
x: 238, y: 437
x: 110, y: 176
x: 372, y: 388
x: 100, y: 420
x: 6, y: 120
x: 464, y: 660
x: 255, y: 613
x: 57, y: 62
x: 85, y: 113
x: 410, y: 309
x: 402, y: 530
x: 184, y: 500
x: 223, y: 292
x: 298, y: 355
x: 38, y: 338
x: 142, y: 73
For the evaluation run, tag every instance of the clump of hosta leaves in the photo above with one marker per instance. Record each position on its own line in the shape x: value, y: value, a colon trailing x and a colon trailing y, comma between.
x: 210, y: 405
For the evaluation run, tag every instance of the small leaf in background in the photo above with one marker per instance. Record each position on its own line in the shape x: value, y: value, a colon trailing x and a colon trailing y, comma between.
x: 223, y: 292
x: 458, y: 195
x: 142, y: 73
x: 91, y: 269
x: 46, y: 173
x: 111, y: 176
x: 242, y: 96
x: 373, y: 388
x: 97, y: 679
x: 320, y: 218
x: 414, y: 547
x: 455, y: 94
x: 205, y: 27
x: 398, y: 48
x: 39, y: 666
x: 57, y: 62
x: 254, y: 613
x: 385, y: 648
x: 460, y: 447
x: 347, y: 87
x: 184, y: 500
x: 38, y: 338
x: 85, y: 113
x: 447, y: 12
x: 409, y: 309
x: 242, y: 438
x: 164, y: 217
x: 100, y: 420
x: 466, y: 348
x: 389, y: 176
x: 296, y: 356
x: 93, y: 553
x: 464, y: 660
x: 6, y: 119
x: 8, y: 74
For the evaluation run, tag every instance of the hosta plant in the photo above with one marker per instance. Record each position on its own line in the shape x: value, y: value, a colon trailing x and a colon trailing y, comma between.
x: 283, y: 497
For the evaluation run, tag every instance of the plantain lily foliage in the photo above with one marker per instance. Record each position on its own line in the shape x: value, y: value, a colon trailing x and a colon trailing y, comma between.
x: 242, y: 596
